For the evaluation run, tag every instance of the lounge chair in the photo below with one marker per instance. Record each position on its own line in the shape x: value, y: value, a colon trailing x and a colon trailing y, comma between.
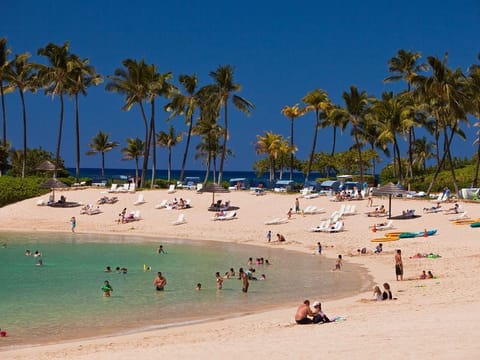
x: 387, y: 226
x: 162, y: 205
x: 276, y: 221
x: 461, y: 216
x: 131, y: 188
x: 180, y: 220
x: 313, y: 210
x: 322, y: 227
x: 140, y: 200
x: 199, y: 187
x: 41, y: 202
x: 230, y: 215
x: 311, y: 196
x: 171, y: 189
x: 337, y: 227
x: 113, y: 188
x: 350, y: 210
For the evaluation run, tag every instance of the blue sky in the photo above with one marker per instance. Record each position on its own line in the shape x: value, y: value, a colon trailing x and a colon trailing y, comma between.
x: 281, y: 50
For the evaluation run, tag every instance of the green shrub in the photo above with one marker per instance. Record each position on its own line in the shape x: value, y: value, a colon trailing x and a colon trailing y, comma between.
x: 13, y: 189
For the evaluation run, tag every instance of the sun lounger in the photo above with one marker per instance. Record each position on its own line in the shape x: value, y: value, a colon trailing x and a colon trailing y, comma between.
x: 180, y: 220
x: 337, y: 227
x: 276, y: 221
x: 41, y: 202
x: 311, y: 196
x: 313, y: 210
x: 140, y: 200
x: 113, y: 188
x: 171, y: 189
x: 322, y: 227
x: 350, y: 210
x: 162, y: 205
x: 461, y: 216
x: 387, y: 226
x: 230, y: 215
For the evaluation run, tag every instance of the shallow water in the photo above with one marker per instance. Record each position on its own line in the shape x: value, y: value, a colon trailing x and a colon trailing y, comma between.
x: 62, y: 299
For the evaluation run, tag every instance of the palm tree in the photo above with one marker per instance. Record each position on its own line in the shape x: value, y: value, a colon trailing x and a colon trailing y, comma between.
x: 356, y: 108
x: 269, y: 145
x: 82, y: 77
x: 133, y: 151
x: 473, y: 89
x: 292, y: 112
x: 445, y: 91
x: 169, y: 139
x: 225, y: 87
x: 317, y: 101
x: 334, y: 116
x: 422, y: 151
x: 132, y: 81
x: 4, y: 52
x: 185, y: 104
x: 101, y: 144
x: 21, y: 74
x: 406, y: 67
x: 55, y: 79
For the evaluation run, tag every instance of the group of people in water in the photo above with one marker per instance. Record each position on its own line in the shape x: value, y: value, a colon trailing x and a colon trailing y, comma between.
x: 36, y: 254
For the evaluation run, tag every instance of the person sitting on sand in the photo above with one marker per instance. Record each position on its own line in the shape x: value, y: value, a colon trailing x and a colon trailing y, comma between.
x: 387, y: 293
x: 304, y: 314
x: 377, y: 294
x: 429, y: 275
x: 379, y: 248
x: 423, y: 276
x: 280, y: 238
x: 453, y: 209
x: 319, y: 316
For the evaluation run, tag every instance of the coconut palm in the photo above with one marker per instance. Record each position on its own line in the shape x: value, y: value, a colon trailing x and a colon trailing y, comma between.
x: 473, y: 89
x: 4, y: 52
x: 318, y: 102
x: 55, y: 78
x: 422, y: 151
x: 101, y: 144
x: 82, y: 76
x: 334, y: 116
x: 356, y: 108
x: 224, y: 88
x: 22, y: 74
x: 406, y: 67
x: 292, y: 112
x: 132, y: 82
x: 185, y: 103
x: 270, y: 146
x: 133, y: 151
x: 445, y: 91
x: 169, y: 140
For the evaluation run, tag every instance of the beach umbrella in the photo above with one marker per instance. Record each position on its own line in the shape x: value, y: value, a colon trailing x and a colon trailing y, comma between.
x: 46, y: 166
x: 214, y: 188
x: 53, y: 184
x: 390, y: 189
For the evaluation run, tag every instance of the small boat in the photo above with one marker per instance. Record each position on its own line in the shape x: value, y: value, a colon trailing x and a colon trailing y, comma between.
x: 394, y: 234
x: 385, y: 239
x: 417, y: 234
x: 475, y: 224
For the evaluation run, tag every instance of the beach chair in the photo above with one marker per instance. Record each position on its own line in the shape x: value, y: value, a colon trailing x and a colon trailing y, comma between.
x: 162, y: 205
x: 199, y: 187
x: 230, y: 215
x: 181, y: 220
x: 136, y: 215
x: 337, y: 227
x: 113, y: 188
x: 461, y: 216
x: 350, y: 210
x: 171, y: 189
x: 131, y: 188
x: 321, y: 227
x: 276, y: 221
x: 41, y: 202
x: 140, y: 200
x: 387, y: 226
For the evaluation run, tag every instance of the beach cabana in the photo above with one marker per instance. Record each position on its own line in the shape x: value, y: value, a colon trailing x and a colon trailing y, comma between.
x: 390, y: 189
x: 53, y: 184
x: 214, y: 188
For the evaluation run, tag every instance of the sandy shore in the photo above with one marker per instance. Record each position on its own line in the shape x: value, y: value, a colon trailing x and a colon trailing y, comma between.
x: 434, y: 318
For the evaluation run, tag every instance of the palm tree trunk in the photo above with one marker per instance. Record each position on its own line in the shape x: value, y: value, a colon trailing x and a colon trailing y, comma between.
x: 136, y: 170
x: 59, y: 139
x: 291, y: 155
x: 146, y: 148
x: 4, y: 114
x: 477, y: 165
x: 314, y: 145
x: 207, y: 172
x: 440, y: 164
x: 154, y: 143
x: 272, y: 168
x: 187, y: 146
x: 452, y: 169
x: 399, y: 159
x: 103, y: 163
x: 334, y: 140
x: 77, y: 140
x: 225, y: 136
x: 169, y: 163
x: 357, y: 142
x: 24, y: 111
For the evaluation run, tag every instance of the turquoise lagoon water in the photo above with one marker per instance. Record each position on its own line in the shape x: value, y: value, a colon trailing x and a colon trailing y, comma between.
x: 62, y: 299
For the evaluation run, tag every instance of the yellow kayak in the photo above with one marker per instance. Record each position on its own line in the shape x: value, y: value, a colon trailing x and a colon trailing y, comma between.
x: 385, y: 239
x: 394, y: 234
x: 465, y: 221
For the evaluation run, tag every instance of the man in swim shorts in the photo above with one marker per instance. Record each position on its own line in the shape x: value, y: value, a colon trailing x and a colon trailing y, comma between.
x: 399, y: 265
x: 303, y: 313
x: 160, y: 282
x: 244, y: 278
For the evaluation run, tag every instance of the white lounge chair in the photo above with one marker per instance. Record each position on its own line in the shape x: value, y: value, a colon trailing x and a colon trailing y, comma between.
x: 41, y: 202
x: 311, y: 196
x: 171, y: 189
x: 387, y: 226
x: 140, y: 200
x: 136, y: 215
x: 313, y: 210
x: 461, y: 216
x: 276, y: 221
x: 113, y: 188
x: 199, y: 187
x: 180, y: 220
x: 131, y: 188
x: 322, y: 227
x: 162, y: 205
x: 230, y: 215
x: 350, y: 210
x: 338, y: 226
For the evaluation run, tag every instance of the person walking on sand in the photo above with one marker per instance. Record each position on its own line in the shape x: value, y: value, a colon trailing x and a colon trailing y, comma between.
x: 338, y: 263
x: 73, y: 222
x: 289, y: 213
x: 160, y: 281
x: 297, y: 205
x: 319, y: 248
x: 244, y: 278
x: 269, y: 235
x: 399, y: 265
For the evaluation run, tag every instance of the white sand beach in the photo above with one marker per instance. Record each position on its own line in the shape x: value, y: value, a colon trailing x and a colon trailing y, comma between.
x: 435, y: 318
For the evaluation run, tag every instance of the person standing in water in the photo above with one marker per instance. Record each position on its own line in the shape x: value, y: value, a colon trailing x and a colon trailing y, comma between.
x: 160, y: 250
x: 219, y: 281
x: 107, y: 288
x: 160, y: 282
x: 244, y: 278
x: 73, y: 222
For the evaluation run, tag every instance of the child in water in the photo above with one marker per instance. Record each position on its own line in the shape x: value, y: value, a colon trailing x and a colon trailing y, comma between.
x: 107, y: 289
